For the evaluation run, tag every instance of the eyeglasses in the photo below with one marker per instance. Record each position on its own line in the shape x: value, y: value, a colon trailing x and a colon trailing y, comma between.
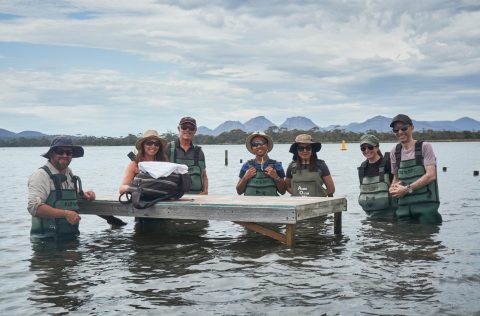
x: 152, y: 143
x: 258, y: 143
x: 62, y: 151
x: 363, y: 148
x: 189, y: 127
x: 304, y: 148
x: 403, y: 128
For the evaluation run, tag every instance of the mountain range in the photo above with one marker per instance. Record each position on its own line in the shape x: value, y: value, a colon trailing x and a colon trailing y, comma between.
x: 261, y: 123
x: 378, y: 123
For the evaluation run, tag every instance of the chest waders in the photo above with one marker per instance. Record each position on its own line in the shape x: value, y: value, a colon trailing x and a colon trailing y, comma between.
x: 195, y: 167
x: 57, y: 228
x: 307, y: 183
x: 261, y: 184
x: 374, y: 197
x: 422, y: 204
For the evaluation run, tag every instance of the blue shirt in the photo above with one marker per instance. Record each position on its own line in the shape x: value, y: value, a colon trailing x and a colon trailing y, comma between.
x: 277, y: 166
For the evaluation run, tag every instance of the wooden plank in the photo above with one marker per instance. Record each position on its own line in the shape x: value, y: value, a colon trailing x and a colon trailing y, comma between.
x: 290, y: 235
x: 320, y: 206
x: 337, y: 223
x: 264, y: 231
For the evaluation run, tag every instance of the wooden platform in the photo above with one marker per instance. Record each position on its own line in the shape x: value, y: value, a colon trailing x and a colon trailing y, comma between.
x: 247, y: 211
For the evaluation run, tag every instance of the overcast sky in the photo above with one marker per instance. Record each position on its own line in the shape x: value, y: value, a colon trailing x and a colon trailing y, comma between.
x: 110, y: 68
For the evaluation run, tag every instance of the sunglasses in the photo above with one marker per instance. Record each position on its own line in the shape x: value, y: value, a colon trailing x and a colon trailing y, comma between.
x: 258, y: 143
x: 152, y: 143
x: 403, y: 128
x: 185, y: 127
x: 363, y: 148
x: 62, y: 151
x: 304, y: 148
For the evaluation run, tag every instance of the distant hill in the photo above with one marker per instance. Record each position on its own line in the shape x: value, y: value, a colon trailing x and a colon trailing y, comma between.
x: 298, y: 122
x: 259, y: 123
x: 26, y: 134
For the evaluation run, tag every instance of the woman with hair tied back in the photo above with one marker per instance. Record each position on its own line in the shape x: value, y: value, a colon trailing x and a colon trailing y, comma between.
x: 307, y: 175
x: 150, y: 147
x: 375, y: 178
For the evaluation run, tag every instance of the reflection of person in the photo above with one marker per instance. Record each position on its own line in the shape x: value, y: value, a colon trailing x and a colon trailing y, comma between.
x: 261, y: 175
x: 183, y: 151
x: 150, y: 147
x: 307, y: 175
x: 53, y: 193
x: 415, y: 175
x: 375, y: 178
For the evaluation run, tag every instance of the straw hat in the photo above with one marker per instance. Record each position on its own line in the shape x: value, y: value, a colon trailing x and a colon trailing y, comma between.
x: 305, y: 139
x: 248, y: 141
x: 149, y: 134
x: 64, y: 141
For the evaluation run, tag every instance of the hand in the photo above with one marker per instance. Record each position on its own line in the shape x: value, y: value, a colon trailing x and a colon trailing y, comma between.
x: 398, y: 190
x: 250, y: 173
x: 89, y: 195
x: 72, y: 217
x: 271, y: 172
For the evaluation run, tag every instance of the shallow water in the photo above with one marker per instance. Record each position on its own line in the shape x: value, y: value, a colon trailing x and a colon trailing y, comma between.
x: 374, y: 267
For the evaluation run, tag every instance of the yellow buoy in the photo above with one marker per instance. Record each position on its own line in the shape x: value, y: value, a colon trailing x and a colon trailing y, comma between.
x: 344, y: 145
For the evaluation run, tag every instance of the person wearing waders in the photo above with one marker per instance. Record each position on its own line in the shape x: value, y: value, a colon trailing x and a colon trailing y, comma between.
x: 53, y: 193
x: 183, y: 151
x: 375, y: 177
x: 415, y: 175
x: 307, y: 175
x: 261, y: 176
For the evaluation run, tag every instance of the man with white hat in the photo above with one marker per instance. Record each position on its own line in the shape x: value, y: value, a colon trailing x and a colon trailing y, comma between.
x: 53, y: 192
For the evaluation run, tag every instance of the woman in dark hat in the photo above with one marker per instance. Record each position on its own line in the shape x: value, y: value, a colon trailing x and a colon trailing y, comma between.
x: 150, y: 147
x: 307, y: 175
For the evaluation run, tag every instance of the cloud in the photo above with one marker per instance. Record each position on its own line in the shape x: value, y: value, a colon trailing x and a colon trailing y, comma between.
x: 336, y: 62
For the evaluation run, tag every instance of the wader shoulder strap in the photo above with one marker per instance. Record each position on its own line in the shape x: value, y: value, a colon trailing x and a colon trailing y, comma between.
x: 172, y: 151
x: 57, y: 181
x: 196, y: 154
x: 398, y: 153
x: 418, y: 152
x: 381, y: 170
x: 294, y: 167
x: 361, y: 171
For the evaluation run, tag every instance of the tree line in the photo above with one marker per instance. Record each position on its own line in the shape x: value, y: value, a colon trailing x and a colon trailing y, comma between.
x: 237, y: 136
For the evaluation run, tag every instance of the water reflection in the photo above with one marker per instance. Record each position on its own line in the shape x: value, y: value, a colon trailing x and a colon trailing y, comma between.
x: 398, y: 261
x: 54, y: 265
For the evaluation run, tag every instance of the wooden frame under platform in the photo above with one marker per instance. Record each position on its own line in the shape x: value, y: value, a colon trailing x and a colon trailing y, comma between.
x: 247, y: 211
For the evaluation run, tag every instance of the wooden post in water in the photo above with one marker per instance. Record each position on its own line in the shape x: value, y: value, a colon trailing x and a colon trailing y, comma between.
x: 226, y: 157
x: 475, y: 173
x: 444, y: 169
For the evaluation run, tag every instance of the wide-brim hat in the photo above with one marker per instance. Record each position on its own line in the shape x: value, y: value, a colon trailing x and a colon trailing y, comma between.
x: 248, y: 141
x: 64, y: 141
x: 305, y: 139
x: 149, y: 134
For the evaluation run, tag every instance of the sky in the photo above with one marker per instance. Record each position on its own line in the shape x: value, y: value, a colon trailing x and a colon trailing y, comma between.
x: 113, y: 68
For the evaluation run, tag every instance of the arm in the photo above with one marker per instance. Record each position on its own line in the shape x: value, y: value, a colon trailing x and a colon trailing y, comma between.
x: 204, y: 182
x: 242, y: 182
x: 328, y: 180
x: 46, y: 211
x: 288, y: 183
x: 279, y: 181
x: 130, y: 173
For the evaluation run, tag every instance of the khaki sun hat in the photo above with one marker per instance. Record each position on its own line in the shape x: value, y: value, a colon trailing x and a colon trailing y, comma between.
x: 149, y: 134
x: 248, y: 141
x: 305, y: 139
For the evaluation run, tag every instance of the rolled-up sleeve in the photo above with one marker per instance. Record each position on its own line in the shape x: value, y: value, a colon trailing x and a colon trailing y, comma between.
x: 38, y: 190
